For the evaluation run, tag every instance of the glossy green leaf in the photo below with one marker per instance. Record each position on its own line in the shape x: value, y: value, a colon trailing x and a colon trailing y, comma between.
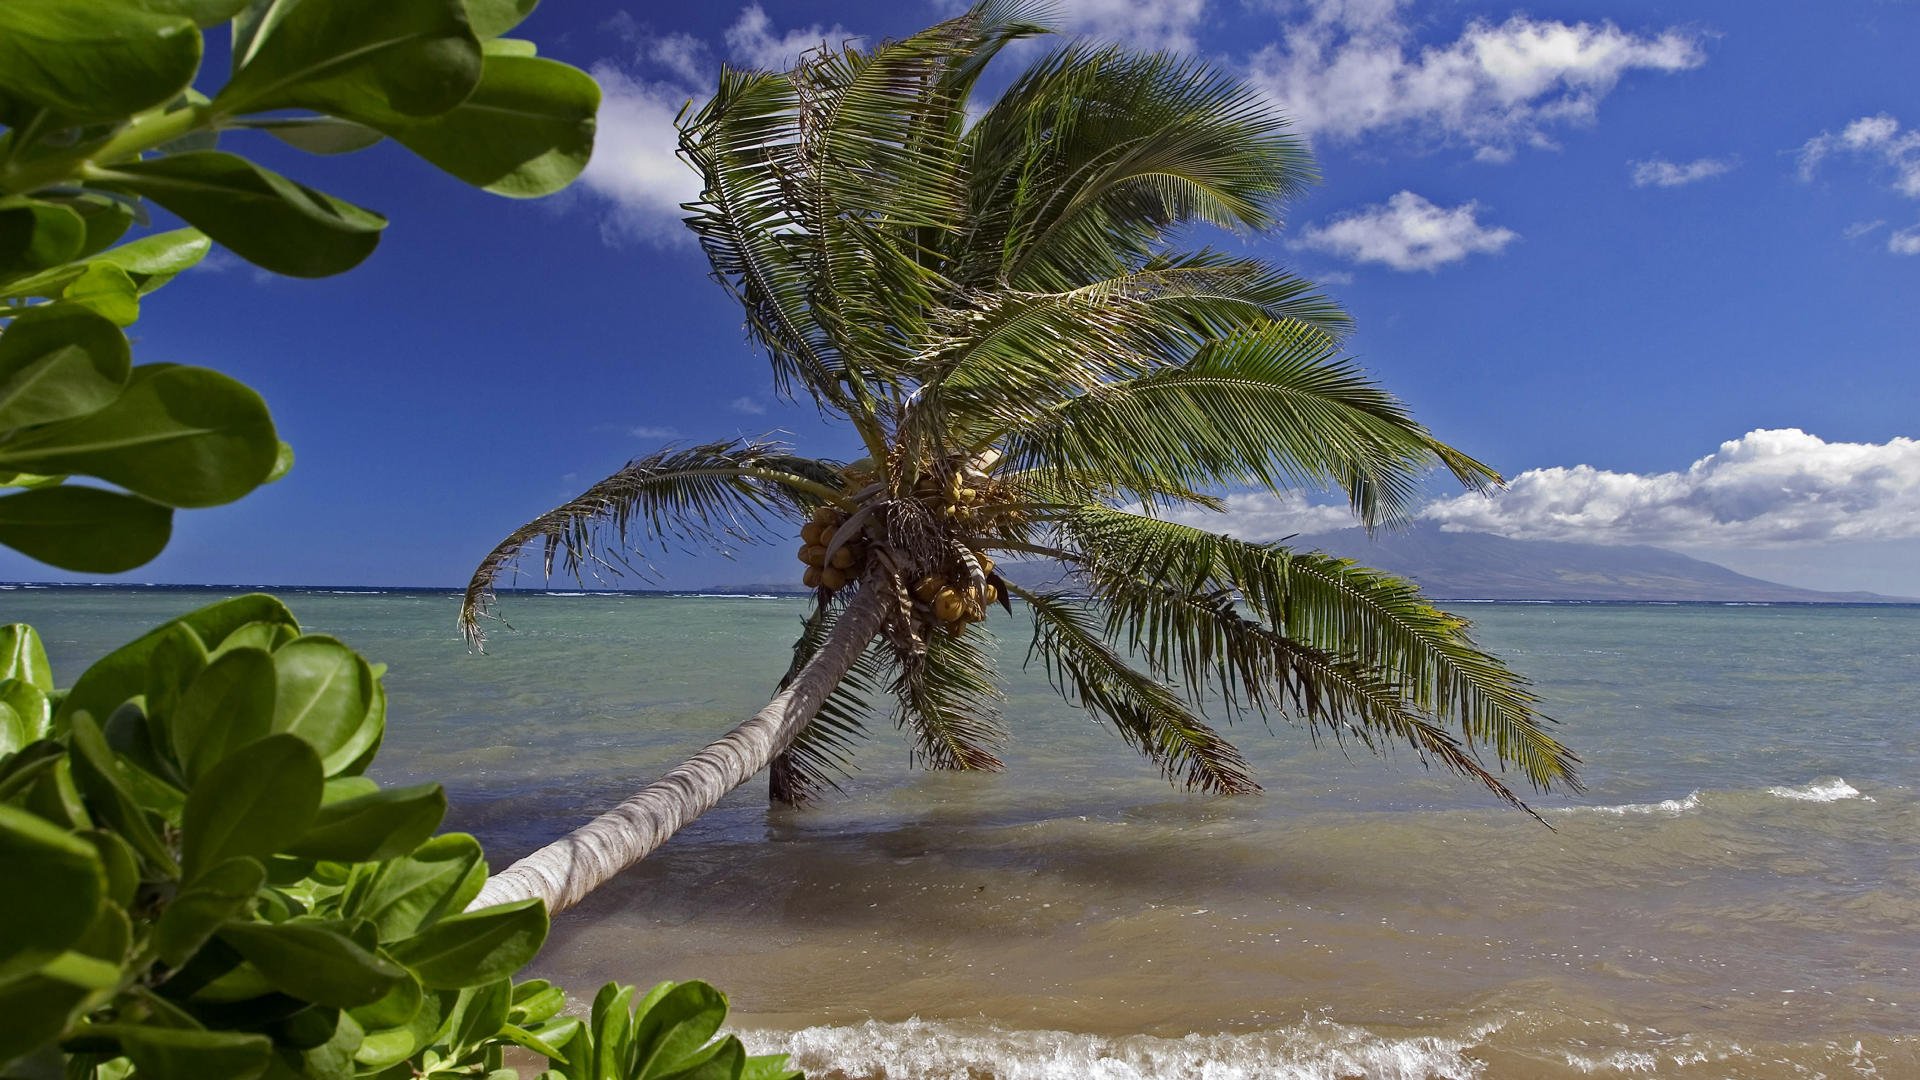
x: 26, y: 715
x: 314, y: 961
x: 400, y: 1039
x: 59, y: 361
x: 479, y: 1015
x: 536, y: 1000
x: 670, y: 1029
x: 491, y: 18
x: 382, y: 825
x: 23, y: 657
x: 317, y: 1044
x: 21, y: 770
x: 38, y: 1008
x: 475, y: 948
x: 105, y: 290
x: 439, y: 879
x: 222, y: 893
x: 187, y: 1054
x: 94, y: 59
x: 255, y: 802
x: 399, y: 1006
x: 178, y: 658
x: 769, y: 1067
x: 118, y: 861
x: 97, y: 774
x: 84, y: 529
x: 722, y: 1060
x: 326, y: 697
x: 181, y: 436
x: 509, y: 47
x: 325, y: 135
x: 152, y: 780
x: 58, y: 884
x: 203, y: 12
x: 282, y: 464
x: 366, y: 60
x: 107, y: 219
x: 526, y: 131
x: 259, y: 215
x: 35, y: 234
x: 227, y: 706
x: 123, y: 673
x: 152, y: 261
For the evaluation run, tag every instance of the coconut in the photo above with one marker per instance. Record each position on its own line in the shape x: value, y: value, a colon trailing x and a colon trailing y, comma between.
x: 811, y: 579
x: 810, y: 533
x: 844, y: 558
x: 947, y: 605
x: 825, y: 515
x: 833, y: 579
x: 930, y: 587
x: 813, y: 555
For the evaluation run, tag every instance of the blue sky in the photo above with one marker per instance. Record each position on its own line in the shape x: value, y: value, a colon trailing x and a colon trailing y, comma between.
x: 1658, y: 263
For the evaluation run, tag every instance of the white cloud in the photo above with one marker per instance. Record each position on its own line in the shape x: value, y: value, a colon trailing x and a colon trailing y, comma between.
x: 753, y: 42
x: 1880, y: 140
x: 1770, y: 487
x: 1905, y: 242
x: 1655, y: 172
x: 633, y: 165
x: 684, y: 56
x: 1143, y: 24
x: 1861, y: 228
x: 1408, y: 232
x: 747, y: 405
x: 646, y: 432
x: 1260, y: 515
x: 1345, y: 68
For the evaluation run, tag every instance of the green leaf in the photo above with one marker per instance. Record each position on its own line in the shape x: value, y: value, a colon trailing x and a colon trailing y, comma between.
x: 181, y: 436
x: 439, y: 879
x: 317, y: 134
x: 123, y: 673
x: 669, y: 1029
x: 187, y: 1054
x: 96, y: 773
x: 94, y: 59
x: 327, y: 697
x: 223, y: 893
x: 58, y: 884
x: 152, y: 261
x: 383, y: 825
x: 107, y: 218
x: 226, y: 707
x: 259, y: 215
x: 365, y: 60
x: 203, y: 12
x: 31, y: 714
x: 38, y: 1008
x: 59, y: 361
x: 479, y: 1015
x: 313, y: 961
x: 526, y: 131
x: 35, y: 234
x: 255, y: 802
x: 769, y: 1067
x: 401, y: 1039
x: 119, y: 861
x: 282, y: 464
x: 85, y: 529
x: 23, y: 657
x: 475, y: 948
x: 491, y: 18
x: 105, y: 290
x: 722, y: 1060
x: 509, y: 47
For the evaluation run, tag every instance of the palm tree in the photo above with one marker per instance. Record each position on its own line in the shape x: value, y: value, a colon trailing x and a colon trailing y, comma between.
x: 1001, y: 309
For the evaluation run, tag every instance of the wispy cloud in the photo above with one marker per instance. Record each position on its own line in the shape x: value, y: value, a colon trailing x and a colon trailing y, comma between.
x: 753, y: 41
x: 1347, y: 68
x: 1861, y: 228
x: 1879, y: 140
x: 645, y: 431
x: 1260, y: 515
x: 748, y: 405
x: 1905, y: 242
x: 1408, y: 232
x: 1770, y: 487
x: 1654, y: 172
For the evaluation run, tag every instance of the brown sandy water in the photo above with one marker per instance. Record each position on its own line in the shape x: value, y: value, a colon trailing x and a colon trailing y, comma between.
x: 1737, y: 896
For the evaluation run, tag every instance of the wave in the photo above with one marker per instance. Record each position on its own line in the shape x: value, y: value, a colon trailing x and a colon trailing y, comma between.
x: 1665, y: 806
x: 1825, y: 789
x: 937, y: 1050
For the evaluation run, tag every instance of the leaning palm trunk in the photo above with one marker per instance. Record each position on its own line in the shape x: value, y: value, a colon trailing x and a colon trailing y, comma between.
x: 565, y: 871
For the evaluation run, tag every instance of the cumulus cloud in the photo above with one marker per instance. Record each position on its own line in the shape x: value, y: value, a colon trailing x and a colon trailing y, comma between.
x: 633, y: 167
x: 1878, y: 140
x: 1346, y: 68
x: 1408, y: 232
x: 1260, y: 515
x: 1905, y: 242
x: 752, y: 40
x: 1655, y: 172
x: 1162, y: 24
x: 1770, y: 487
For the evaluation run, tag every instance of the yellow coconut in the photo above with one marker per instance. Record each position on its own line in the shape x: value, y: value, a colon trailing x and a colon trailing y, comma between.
x: 930, y: 587
x: 993, y: 593
x: 947, y: 605
x: 825, y: 515
x: 811, y: 578
x: 833, y: 579
x: 810, y: 533
x: 813, y: 555
x: 845, y: 557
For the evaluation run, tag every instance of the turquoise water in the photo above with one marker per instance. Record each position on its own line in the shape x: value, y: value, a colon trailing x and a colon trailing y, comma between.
x: 1738, y: 893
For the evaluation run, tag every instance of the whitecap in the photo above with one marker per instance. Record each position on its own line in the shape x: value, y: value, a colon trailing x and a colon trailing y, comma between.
x: 933, y: 1050
x: 1665, y: 806
x: 1825, y: 789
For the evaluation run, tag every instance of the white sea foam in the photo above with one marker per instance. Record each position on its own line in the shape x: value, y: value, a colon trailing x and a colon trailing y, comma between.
x: 930, y: 1050
x: 1665, y: 806
x: 1825, y: 789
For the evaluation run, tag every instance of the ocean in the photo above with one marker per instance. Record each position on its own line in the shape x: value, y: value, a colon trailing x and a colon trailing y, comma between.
x: 1736, y: 895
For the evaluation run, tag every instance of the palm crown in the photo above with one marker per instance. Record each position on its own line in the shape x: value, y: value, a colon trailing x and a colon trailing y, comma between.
x: 999, y: 305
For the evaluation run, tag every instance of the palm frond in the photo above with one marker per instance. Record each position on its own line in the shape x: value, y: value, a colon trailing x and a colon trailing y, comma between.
x: 1346, y: 611
x: 949, y: 698
x: 1276, y: 407
x: 711, y: 493
x: 1149, y: 715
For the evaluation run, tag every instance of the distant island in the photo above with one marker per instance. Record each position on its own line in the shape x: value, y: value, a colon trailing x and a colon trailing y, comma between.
x: 1481, y: 566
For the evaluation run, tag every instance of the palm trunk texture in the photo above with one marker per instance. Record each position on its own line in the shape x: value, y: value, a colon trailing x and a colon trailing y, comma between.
x: 565, y: 871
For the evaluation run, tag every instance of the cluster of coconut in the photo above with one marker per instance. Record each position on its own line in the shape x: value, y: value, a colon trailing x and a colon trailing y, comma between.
x: 830, y: 571
x: 953, y: 601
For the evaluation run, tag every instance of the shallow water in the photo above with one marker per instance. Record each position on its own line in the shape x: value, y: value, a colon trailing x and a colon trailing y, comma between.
x: 1738, y: 893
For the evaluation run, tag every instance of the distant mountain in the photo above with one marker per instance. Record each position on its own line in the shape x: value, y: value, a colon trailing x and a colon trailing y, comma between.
x: 1480, y: 566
